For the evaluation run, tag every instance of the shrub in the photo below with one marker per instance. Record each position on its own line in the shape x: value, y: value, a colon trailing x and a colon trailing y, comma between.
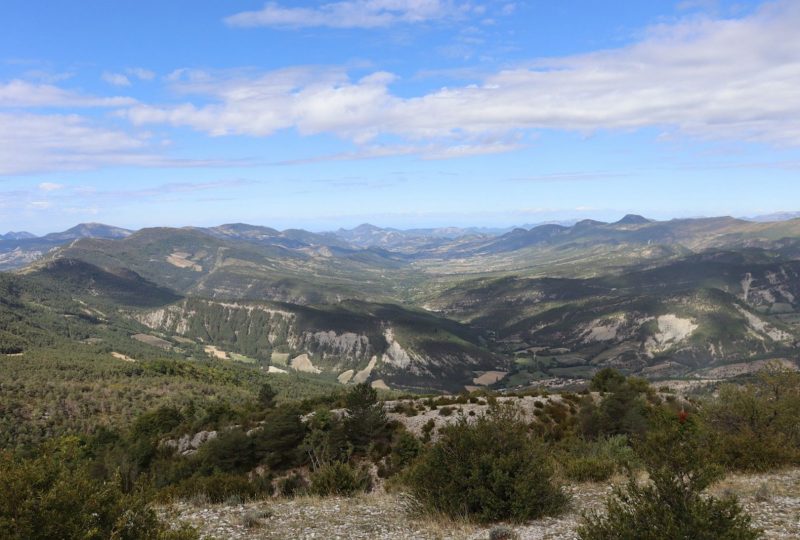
x: 231, y: 451
x: 678, y: 457
x: 427, y: 430
x: 589, y: 469
x: 607, y: 380
x: 623, y: 410
x: 218, y: 488
x: 157, y: 422
x: 278, y: 443
x: 339, y: 479
x: 266, y: 396
x: 252, y: 519
x: 501, y: 532
x: 757, y: 426
x: 366, y: 419
x: 445, y: 411
x: 486, y: 471
x: 291, y: 485
x: 53, y: 496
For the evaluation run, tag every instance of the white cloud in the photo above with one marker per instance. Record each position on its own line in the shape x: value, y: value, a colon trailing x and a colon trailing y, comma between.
x: 19, y: 93
x: 710, y: 78
x: 50, y: 186
x: 116, y: 79
x: 141, y: 73
x: 35, y: 143
x: 352, y: 14
x: 32, y: 143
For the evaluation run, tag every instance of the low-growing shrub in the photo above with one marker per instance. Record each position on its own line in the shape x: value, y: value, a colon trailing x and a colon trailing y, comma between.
x: 446, y: 411
x: 53, y: 496
x: 218, y: 488
x: 427, y: 430
x: 589, y: 468
x: 339, y: 479
x: 679, y: 459
x: 291, y: 485
x: 488, y: 470
x: 757, y: 426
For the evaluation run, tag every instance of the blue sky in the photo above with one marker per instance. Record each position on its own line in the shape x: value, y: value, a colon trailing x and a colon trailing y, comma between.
x: 402, y: 113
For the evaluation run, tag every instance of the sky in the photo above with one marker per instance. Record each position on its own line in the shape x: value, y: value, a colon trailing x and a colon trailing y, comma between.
x: 402, y: 113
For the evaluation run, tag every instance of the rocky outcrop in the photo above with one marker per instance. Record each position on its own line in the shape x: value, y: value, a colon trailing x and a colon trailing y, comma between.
x: 189, y: 444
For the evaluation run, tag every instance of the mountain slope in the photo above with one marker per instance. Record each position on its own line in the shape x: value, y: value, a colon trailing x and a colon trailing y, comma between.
x: 352, y: 341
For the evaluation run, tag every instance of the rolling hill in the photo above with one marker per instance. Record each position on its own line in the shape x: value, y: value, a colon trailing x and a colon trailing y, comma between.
x: 424, y: 309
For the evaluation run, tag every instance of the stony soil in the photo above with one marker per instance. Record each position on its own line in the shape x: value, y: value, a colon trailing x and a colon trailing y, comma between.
x: 772, y: 499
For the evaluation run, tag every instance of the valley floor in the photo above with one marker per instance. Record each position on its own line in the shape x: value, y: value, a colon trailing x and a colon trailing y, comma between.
x: 772, y: 499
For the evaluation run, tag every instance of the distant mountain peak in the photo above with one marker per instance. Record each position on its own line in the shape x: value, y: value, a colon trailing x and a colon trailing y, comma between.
x: 365, y: 227
x: 90, y: 230
x: 14, y: 235
x: 633, y: 219
x: 589, y: 223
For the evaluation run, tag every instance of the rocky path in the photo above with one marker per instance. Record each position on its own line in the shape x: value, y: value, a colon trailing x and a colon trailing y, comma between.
x: 772, y: 499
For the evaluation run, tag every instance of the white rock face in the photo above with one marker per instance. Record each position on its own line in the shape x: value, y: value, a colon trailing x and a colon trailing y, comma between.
x: 761, y: 326
x: 673, y: 329
x: 303, y: 363
x: 273, y: 369
x: 395, y: 355
x: 189, y: 444
x: 363, y: 375
x: 603, y: 330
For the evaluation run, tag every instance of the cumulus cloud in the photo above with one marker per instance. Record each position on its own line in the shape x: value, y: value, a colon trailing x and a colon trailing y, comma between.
x: 116, y: 79
x: 353, y: 14
x: 710, y: 78
x: 141, y: 73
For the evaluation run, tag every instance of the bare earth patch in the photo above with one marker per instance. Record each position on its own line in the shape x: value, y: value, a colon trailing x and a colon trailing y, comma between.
x: 382, y: 516
x: 489, y: 377
x: 120, y: 356
x: 153, y: 340
x: 345, y: 376
x: 215, y: 353
x: 181, y: 260
x: 273, y: 369
x: 380, y: 384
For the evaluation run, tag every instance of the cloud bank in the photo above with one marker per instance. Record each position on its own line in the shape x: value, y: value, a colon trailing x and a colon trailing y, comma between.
x: 709, y: 78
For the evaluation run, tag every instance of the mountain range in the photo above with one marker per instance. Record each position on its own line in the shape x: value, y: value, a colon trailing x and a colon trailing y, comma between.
x: 423, y: 309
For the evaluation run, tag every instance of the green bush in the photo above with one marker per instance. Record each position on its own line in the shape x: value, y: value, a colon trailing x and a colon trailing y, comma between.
x: 595, y: 461
x: 622, y: 411
x: 339, y: 479
x: 446, y: 411
x: 218, y: 487
x: 607, y: 380
x: 53, y: 496
x: 757, y: 426
x: 366, y: 420
x: 589, y: 468
x: 486, y: 471
x: 679, y: 459
x: 291, y: 485
x: 279, y: 441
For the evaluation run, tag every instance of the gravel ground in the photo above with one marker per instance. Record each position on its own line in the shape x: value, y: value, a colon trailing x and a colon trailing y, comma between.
x: 772, y: 499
